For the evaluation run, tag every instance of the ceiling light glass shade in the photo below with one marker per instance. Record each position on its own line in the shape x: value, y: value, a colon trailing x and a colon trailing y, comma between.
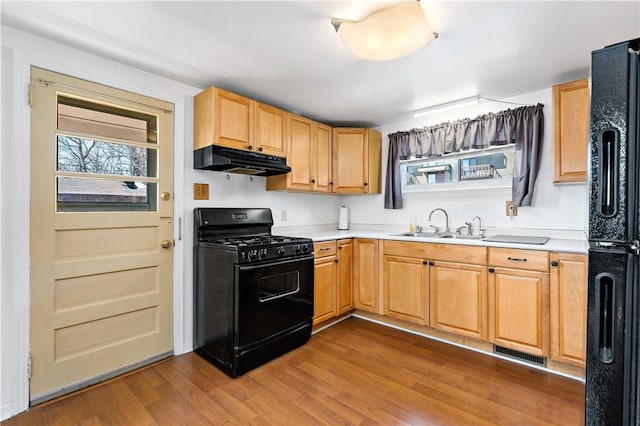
x: 387, y: 34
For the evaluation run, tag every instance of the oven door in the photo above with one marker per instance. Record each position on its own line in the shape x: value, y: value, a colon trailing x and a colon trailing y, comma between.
x: 272, y: 297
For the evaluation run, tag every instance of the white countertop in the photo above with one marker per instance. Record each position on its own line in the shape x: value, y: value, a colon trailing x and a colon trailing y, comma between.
x: 563, y: 245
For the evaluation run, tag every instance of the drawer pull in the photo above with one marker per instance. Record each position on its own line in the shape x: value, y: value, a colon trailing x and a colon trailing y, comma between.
x: 325, y: 249
x: 516, y: 259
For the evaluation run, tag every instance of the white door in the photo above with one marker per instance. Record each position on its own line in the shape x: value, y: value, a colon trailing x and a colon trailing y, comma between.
x: 101, y: 232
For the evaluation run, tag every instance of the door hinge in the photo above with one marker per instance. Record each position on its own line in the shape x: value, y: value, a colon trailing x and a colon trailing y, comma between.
x: 29, y: 365
x: 179, y: 229
x: 30, y: 95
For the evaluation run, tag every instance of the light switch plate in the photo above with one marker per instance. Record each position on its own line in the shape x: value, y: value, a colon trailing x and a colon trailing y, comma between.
x: 511, y: 210
x: 200, y: 191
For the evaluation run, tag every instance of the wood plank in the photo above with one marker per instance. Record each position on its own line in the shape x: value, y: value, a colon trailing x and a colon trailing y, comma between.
x: 355, y: 372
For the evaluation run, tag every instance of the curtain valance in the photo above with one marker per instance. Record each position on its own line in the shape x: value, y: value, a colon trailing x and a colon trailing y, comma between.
x: 520, y: 126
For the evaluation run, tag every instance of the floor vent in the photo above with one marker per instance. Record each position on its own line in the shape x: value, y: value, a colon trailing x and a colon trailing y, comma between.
x: 532, y: 359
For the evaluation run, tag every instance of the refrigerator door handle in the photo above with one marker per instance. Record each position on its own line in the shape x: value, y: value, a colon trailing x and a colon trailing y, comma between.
x: 606, y: 312
x: 608, y: 145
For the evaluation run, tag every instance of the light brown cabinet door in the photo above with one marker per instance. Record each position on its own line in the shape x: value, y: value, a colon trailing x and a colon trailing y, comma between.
x: 345, y: 276
x: 405, y: 288
x: 458, y: 298
x: 299, y: 152
x: 350, y: 160
x: 366, y: 274
x: 519, y: 310
x: 568, y: 282
x: 270, y: 130
x: 222, y: 118
x: 570, y: 131
x: 324, y: 299
x: 323, y: 155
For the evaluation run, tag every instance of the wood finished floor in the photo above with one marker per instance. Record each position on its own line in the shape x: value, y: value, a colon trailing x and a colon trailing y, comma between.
x: 355, y: 372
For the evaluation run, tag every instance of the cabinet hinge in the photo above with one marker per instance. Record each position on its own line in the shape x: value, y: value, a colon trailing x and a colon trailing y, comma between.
x: 30, y: 95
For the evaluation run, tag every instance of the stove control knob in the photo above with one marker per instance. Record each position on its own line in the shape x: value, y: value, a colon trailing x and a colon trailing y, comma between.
x: 252, y: 255
x: 280, y: 251
x: 262, y: 253
x: 305, y: 248
x: 296, y: 249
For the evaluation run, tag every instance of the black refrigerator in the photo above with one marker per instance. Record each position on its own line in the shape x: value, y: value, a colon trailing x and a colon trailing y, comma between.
x: 613, y: 315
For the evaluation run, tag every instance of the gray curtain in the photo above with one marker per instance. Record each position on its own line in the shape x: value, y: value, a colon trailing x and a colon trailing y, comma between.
x: 522, y: 126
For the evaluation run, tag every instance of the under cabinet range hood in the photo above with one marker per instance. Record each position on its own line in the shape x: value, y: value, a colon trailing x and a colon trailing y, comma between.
x: 223, y: 159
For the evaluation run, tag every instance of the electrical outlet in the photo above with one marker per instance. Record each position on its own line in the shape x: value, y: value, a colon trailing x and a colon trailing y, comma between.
x: 200, y: 191
x: 511, y: 210
x: 283, y: 215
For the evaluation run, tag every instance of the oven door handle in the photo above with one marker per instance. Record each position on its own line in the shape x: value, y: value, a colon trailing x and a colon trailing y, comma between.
x: 277, y: 262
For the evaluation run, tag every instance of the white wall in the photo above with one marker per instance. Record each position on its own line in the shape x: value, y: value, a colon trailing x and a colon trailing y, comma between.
x: 555, y: 207
x: 19, y: 52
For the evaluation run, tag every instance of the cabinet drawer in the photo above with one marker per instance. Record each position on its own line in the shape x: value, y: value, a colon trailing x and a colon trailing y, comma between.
x: 437, y: 251
x: 324, y: 248
x: 533, y: 260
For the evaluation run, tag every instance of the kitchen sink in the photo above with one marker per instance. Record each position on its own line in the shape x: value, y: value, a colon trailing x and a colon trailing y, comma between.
x: 434, y: 235
x: 417, y: 234
x: 463, y: 237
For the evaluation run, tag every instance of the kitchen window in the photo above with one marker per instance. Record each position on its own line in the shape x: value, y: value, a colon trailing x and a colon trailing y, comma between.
x: 489, y: 167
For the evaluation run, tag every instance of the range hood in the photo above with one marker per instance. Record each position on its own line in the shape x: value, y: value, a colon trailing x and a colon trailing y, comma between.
x: 223, y: 159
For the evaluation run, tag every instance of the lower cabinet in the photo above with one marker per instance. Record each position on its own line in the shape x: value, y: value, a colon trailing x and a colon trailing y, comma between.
x: 458, y: 298
x: 405, y: 288
x: 365, y: 274
x: 333, y: 279
x: 530, y: 301
x: 519, y: 300
x: 568, y: 287
x: 344, y: 282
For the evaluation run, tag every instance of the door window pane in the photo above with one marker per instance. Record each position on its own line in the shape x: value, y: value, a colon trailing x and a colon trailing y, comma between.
x: 93, y: 156
x: 87, y: 194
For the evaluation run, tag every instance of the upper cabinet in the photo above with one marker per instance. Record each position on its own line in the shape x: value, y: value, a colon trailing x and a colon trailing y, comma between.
x: 227, y: 119
x: 270, y: 130
x: 356, y: 161
x: 322, y: 159
x: 570, y: 131
x: 308, y: 155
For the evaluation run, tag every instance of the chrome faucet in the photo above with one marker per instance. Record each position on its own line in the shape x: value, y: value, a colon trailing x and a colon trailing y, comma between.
x: 446, y: 216
x: 479, y: 225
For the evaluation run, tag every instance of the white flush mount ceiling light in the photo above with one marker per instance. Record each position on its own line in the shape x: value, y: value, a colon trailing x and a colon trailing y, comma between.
x: 474, y: 100
x: 387, y: 34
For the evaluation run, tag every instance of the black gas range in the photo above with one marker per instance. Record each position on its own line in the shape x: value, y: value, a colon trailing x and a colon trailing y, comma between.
x: 253, y: 291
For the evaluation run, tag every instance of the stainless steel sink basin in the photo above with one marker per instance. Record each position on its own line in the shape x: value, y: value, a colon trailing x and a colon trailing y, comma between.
x: 434, y: 235
x: 417, y: 234
x: 466, y: 237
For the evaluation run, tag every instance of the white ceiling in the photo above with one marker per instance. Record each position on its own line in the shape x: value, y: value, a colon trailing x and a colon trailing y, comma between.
x: 287, y: 53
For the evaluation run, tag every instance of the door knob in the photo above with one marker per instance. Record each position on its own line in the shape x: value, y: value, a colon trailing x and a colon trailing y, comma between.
x: 165, y: 196
x: 166, y: 244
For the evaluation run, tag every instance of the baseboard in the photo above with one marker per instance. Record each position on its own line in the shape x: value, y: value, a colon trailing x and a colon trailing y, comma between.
x: 6, y: 410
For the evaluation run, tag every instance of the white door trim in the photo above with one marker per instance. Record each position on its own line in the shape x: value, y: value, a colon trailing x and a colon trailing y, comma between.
x: 15, y: 272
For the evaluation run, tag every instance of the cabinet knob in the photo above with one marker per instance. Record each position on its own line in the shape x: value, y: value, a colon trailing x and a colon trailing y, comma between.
x: 250, y: 147
x: 330, y: 183
x: 260, y: 149
x: 554, y: 263
x: 313, y: 181
x: 432, y: 263
x: 425, y: 262
x: 491, y: 270
x: 336, y: 260
x: 366, y: 184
